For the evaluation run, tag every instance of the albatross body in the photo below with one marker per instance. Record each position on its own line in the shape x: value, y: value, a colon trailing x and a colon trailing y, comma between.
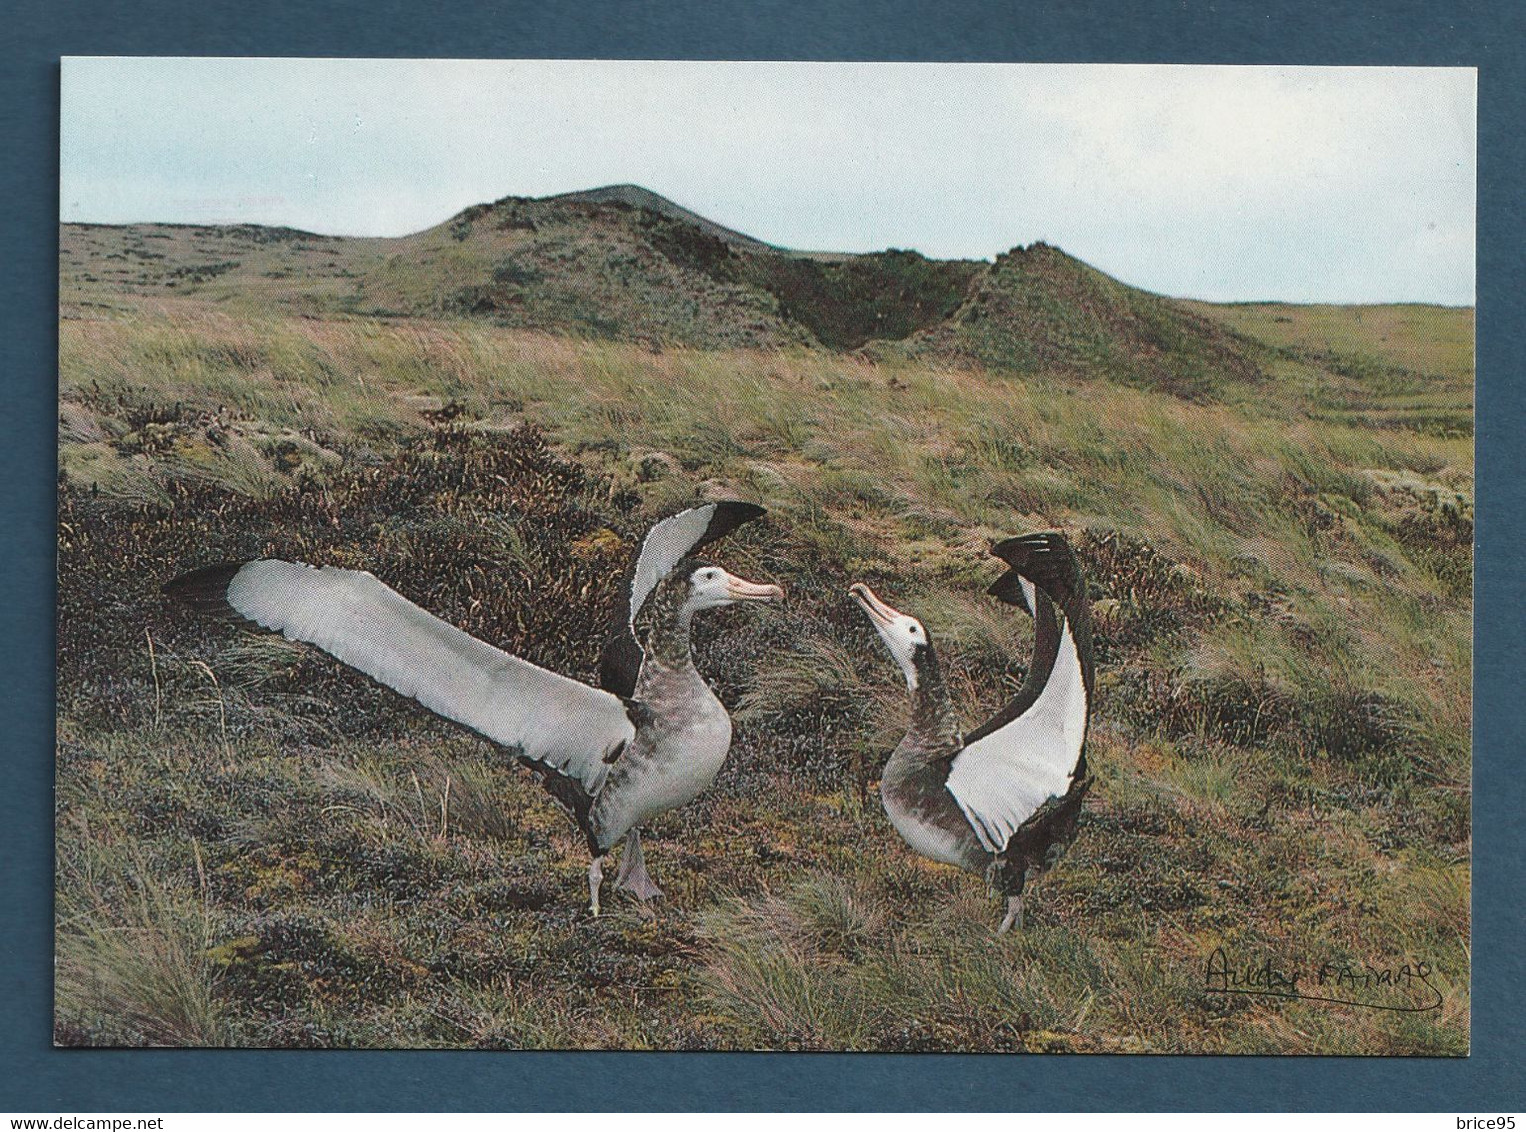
x: 1002, y: 801
x: 649, y: 741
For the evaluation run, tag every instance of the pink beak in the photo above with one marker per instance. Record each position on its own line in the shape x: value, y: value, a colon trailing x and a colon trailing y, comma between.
x: 878, y: 611
x: 739, y: 589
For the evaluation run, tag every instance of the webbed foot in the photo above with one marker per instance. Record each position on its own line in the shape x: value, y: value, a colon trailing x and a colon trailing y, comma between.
x: 633, y: 875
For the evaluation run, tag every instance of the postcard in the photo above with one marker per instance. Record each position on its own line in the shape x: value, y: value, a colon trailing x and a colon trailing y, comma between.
x: 751, y: 556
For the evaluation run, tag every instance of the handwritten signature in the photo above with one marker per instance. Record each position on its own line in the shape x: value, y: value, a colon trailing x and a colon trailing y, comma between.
x: 1350, y: 984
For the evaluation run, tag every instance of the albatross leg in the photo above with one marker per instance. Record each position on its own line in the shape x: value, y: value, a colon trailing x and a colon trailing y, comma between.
x: 595, y: 879
x: 1014, y: 917
x: 633, y: 876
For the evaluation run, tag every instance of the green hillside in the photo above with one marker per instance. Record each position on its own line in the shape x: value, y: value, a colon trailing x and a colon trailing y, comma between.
x: 1038, y: 310
x: 625, y: 264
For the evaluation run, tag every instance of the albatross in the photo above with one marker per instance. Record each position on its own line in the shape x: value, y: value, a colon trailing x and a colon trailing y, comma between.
x: 650, y: 739
x: 1002, y: 801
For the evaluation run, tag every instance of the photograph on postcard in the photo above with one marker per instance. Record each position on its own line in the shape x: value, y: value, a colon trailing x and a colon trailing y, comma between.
x: 761, y: 556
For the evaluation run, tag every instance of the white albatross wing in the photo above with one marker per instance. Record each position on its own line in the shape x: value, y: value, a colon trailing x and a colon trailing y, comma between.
x: 1001, y: 779
x: 663, y: 548
x: 351, y: 615
x: 667, y: 543
x: 670, y: 540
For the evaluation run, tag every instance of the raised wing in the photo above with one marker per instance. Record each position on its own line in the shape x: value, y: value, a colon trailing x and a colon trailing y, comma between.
x: 1002, y: 778
x: 1045, y: 560
x: 665, y: 546
x: 1014, y: 589
x: 1032, y: 749
x: 540, y: 715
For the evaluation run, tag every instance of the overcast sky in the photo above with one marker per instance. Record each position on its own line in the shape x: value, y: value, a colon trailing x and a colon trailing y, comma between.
x: 1228, y: 183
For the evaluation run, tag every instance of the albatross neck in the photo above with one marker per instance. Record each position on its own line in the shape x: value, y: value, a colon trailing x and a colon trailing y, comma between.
x: 934, y: 728
x: 669, y: 617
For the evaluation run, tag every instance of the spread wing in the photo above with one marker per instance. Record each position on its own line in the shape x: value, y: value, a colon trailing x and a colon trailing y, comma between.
x: 560, y: 723
x: 1032, y: 749
x: 1045, y: 560
x: 1014, y: 589
x: 665, y: 546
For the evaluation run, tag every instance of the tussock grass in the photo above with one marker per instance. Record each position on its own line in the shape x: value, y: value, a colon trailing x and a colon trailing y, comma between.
x: 840, y: 965
x: 820, y: 673
x: 132, y: 950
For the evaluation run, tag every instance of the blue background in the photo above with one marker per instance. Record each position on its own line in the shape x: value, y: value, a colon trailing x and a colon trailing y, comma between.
x: 35, y: 1077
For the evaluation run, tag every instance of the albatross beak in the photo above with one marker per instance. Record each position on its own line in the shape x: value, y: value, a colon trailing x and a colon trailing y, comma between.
x: 739, y: 589
x: 880, y: 613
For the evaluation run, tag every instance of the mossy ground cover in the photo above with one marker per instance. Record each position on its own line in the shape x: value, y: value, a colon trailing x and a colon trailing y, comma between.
x: 256, y: 847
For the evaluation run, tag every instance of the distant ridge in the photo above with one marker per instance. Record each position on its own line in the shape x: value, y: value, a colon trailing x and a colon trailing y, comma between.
x: 634, y: 196
x: 623, y: 262
x: 1037, y: 309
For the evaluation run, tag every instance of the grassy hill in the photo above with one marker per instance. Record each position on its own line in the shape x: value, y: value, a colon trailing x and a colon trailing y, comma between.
x: 626, y: 264
x: 636, y: 197
x: 257, y: 847
x: 1037, y: 310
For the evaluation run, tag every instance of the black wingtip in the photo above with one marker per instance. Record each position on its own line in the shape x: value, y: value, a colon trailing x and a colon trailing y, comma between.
x: 620, y: 662
x: 1045, y: 559
x: 205, y: 590
x: 729, y: 514
x: 1021, y: 550
x: 1009, y: 588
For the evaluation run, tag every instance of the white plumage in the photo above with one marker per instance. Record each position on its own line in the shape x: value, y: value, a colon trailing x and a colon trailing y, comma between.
x: 1003, y: 800
x: 652, y: 738
x: 1002, y: 779
x: 664, y: 547
x: 538, y: 714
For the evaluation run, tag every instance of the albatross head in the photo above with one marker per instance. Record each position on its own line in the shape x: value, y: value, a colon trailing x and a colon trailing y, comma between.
x: 710, y: 586
x: 903, y: 635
